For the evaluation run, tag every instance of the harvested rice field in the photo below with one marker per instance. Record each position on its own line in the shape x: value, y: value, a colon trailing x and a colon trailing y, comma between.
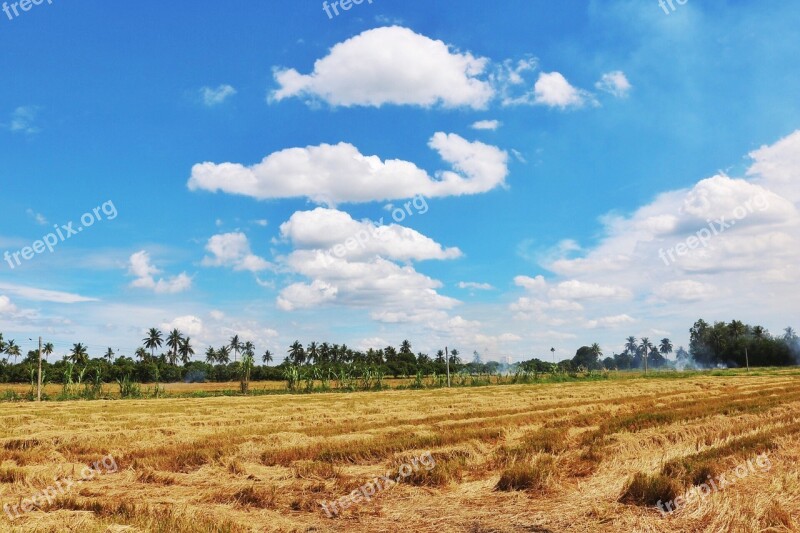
x: 586, y: 456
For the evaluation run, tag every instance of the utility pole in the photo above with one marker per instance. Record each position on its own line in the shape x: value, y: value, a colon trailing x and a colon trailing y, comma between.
x: 39, y: 380
x: 447, y: 357
x: 747, y: 359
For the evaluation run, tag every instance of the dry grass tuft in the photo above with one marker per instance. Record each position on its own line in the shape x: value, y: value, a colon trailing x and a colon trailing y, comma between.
x: 644, y: 489
x: 534, y: 476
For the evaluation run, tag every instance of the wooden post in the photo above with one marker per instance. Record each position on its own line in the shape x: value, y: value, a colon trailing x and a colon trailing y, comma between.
x: 447, y: 359
x: 39, y: 380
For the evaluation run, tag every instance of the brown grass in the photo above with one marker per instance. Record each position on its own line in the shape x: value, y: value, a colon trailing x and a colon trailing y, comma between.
x: 587, y: 456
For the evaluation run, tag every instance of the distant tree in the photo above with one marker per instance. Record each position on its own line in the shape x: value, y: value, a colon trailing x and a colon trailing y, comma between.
x: 738, y: 330
x: 224, y: 355
x: 586, y: 357
x: 186, y: 350
x: 267, y: 357
x: 454, y: 359
x: 645, y: 348
x: 623, y: 360
x: 681, y: 354
x: 141, y: 354
x: 313, y: 353
x: 631, y: 346
x: 235, y: 345
x: 12, y: 349
x: 665, y: 347
x: 297, y: 355
x: 153, y: 341
x: 211, y: 355
x: 109, y: 355
x: 405, y: 347
x: 78, y: 355
x: 47, y: 349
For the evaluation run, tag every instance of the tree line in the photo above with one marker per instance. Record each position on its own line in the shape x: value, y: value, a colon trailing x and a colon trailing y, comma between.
x: 733, y: 344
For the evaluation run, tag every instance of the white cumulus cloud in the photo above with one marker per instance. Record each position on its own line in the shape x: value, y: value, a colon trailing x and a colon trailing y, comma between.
x: 390, y: 65
x: 331, y: 174
x: 140, y: 267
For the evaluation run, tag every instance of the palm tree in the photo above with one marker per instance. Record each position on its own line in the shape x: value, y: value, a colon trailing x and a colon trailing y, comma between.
x: 141, y: 354
x: 737, y: 330
x: 267, y: 357
x: 224, y: 355
x: 174, y: 343
x: 553, y: 351
x: 313, y: 353
x: 405, y: 347
x: 596, y: 351
x: 12, y: 349
x: 185, y: 350
x: 2, y: 344
x: 646, y: 346
x: 153, y: 341
x: 47, y: 349
x: 211, y: 355
x: 235, y: 345
x: 666, y: 347
x: 109, y: 355
x: 78, y: 354
x: 296, y: 353
x: 630, y: 345
x: 759, y: 332
x: 789, y: 335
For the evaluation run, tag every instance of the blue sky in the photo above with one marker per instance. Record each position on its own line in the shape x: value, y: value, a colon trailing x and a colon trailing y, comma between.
x: 556, y: 150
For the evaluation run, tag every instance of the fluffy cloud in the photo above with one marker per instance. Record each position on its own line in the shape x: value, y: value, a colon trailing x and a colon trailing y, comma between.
x: 532, y: 284
x: 233, y: 250
x: 215, y: 96
x: 553, y: 90
x: 331, y: 174
x: 728, y: 246
x: 188, y: 325
x: 140, y: 267
x: 615, y: 83
x: 337, y: 233
x: 384, y: 287
x: 390, y: 65
x: 353, y: 264
x: 6, y: 306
